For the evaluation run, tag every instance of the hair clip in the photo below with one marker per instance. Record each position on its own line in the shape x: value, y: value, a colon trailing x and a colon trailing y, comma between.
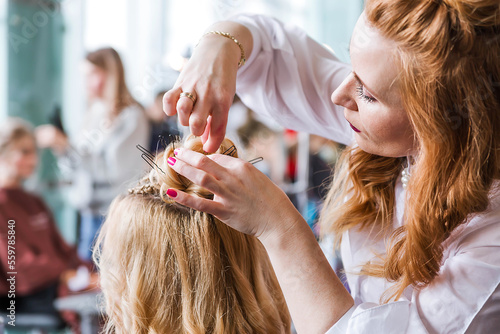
x: 255, y: 160
x: 148, y: 157
x: 230, y: 151
x: 162, y: 143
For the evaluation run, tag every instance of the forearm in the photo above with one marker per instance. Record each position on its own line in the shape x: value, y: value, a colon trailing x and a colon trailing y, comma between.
x: 315, y: 296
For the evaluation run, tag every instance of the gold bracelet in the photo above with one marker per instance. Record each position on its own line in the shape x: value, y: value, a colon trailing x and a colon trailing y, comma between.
x: 228, y: 35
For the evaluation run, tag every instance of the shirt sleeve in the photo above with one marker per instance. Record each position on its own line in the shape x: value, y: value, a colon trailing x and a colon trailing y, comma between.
x: 290, y: 78
x: 463, y: 297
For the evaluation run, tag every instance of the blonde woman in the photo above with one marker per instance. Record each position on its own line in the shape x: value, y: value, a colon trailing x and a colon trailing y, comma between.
x: 165, y: 268
x: 98, y: 159
x: 416, y: 204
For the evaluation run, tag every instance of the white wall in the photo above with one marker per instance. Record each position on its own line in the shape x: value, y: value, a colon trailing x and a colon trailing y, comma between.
x: 73, y: 104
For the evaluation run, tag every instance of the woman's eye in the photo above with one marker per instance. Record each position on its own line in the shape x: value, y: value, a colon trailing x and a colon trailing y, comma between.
x: 362, y: 95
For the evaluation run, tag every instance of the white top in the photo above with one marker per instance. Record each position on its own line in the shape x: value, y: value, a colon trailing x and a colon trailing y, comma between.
x: 103, y: 160
x: 290, y: 78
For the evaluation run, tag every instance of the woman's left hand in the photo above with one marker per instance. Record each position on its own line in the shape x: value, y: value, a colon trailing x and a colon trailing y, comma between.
x: 244, y: 198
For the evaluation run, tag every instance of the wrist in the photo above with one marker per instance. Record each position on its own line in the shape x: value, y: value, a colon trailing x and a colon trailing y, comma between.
x: 232, y: 37
x: 284, y: 227
x: 214, y: 42
x: 227, y: 35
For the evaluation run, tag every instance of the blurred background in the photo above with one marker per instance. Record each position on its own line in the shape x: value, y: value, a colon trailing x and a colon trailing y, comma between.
x: 44, y: 80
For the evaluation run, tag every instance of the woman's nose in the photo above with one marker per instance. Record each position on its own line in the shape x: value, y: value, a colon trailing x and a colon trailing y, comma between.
x: 343, y: 95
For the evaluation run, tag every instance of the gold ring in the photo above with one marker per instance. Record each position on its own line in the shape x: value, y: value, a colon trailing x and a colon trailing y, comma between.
x: 188, y: 95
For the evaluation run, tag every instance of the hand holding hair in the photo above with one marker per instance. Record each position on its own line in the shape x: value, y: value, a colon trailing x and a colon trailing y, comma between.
x: 240, y: 192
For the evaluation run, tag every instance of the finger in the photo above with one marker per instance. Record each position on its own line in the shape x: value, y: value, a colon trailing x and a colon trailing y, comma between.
x: 197, y: 176
x: 206, y: 133
x: 217, y: 131
x: 184, y: 108
x: 199, y: 115
x: 170, y: 101
x: 232, y: 165
x: 196, y: 202
x: 200, y: 163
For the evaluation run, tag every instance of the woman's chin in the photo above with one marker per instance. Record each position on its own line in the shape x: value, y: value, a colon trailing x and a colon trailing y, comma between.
x: 389, y: 151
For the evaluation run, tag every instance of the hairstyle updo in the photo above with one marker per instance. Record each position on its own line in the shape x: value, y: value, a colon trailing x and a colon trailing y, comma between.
x: 162, y: 177
x: 166, y: 268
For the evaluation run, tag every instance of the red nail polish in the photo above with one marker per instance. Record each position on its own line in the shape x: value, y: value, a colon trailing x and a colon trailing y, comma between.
x: 171, y: 193
x: 171, y: 161
x: 176, y: 151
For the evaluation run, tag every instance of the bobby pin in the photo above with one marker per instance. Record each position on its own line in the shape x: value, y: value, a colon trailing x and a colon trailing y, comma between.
x: 148, y: 157
x: 230, y: 151
x: 255, y: 160
x: 162, y: 143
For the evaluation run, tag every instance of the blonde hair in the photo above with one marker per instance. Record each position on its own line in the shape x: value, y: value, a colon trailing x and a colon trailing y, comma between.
x: 11, y: 130
x: 166, y: 268
x: 449, y: 83
x: 116, y: 91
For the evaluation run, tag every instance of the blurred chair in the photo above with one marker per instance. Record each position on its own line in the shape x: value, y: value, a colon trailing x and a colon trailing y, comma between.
x: 31, y: 323
x: 87, y: 307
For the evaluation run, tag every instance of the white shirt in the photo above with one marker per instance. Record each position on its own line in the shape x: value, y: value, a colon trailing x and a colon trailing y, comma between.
x: 290, y: 78
x: 103, y: 160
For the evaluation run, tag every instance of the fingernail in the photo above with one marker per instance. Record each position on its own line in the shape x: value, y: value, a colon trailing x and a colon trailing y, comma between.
x: 176, y: 151
x: 171, y: 193
x: 171, y: 161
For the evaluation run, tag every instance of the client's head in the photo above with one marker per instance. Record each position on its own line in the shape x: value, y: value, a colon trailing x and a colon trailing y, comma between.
x: 166, y: 268
x: 18, y: 154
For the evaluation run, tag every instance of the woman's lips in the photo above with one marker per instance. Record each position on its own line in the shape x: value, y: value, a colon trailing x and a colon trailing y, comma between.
x: 353, y: 127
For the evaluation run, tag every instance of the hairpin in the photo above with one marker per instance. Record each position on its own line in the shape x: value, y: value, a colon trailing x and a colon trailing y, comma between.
x: 148, y: 157
x: 162, y: 143
x: 230, y: 151
x: 255, y: 160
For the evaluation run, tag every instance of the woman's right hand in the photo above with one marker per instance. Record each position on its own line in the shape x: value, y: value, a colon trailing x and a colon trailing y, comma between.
x: 210, y: 75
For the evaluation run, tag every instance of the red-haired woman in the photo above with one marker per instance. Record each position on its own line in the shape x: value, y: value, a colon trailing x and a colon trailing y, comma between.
x: 416, y: 203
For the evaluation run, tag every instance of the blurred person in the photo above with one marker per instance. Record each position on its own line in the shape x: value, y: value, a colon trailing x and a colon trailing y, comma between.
x: 166, y: 268
x: 41, y: 256
x: 100, y: 159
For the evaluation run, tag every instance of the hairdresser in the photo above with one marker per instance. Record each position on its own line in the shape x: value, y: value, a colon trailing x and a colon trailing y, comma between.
x: 415, y: 206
